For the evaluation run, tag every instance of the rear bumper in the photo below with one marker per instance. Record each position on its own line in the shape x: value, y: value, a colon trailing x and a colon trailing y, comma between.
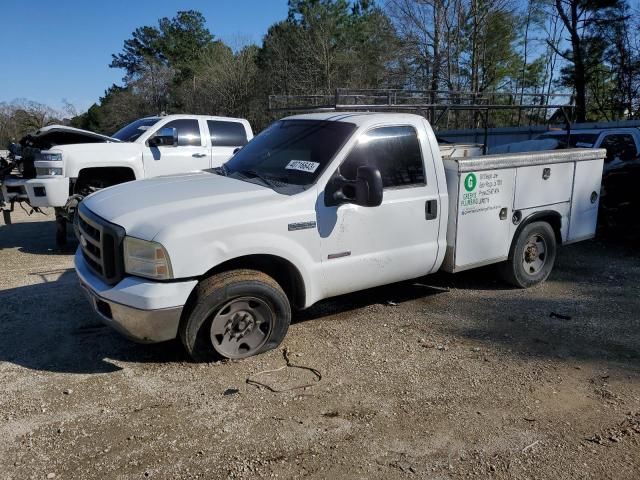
x: 142, y: 310
x: 48, y: 192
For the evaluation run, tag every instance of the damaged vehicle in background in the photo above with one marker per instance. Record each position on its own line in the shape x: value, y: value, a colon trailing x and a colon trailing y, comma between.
x: 69, y: 163
x: 20, y: 167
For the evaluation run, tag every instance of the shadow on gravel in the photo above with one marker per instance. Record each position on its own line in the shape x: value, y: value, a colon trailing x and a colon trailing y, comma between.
x: 51, y: 327
x: 555, y: 328
x: 589, y: 309
x: 394, y: 294
x: 36, y: 237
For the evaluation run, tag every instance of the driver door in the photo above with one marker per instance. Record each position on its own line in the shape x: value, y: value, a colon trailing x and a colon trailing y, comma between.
x: 189, y: 155
x: 398, y: 240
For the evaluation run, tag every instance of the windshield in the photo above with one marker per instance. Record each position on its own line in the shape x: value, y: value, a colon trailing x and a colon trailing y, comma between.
x: 290, y: 154
x: 131, y: 132
x: 583, y: 140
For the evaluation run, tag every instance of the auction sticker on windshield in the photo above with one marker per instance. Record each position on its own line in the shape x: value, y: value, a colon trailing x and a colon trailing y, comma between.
x: 302, y: 165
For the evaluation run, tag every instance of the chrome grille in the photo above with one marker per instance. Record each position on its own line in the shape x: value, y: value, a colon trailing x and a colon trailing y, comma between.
x: 101, y: 244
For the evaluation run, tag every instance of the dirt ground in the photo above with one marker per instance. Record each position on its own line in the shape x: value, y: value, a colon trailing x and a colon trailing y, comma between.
x: 454, y: 376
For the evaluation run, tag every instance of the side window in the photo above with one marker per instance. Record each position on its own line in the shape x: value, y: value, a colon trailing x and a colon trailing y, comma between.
x: 188, y: 132
x: 619, y: 146
x: 227, y: 134
x: 395, y: 151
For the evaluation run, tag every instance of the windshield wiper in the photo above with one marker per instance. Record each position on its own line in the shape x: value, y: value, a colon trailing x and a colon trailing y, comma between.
x: 248, y: 173
x: 221, y: 170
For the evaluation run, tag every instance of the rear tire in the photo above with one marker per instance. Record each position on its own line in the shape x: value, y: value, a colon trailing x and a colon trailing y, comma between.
x: 532, y: 256
x: 235, y: 314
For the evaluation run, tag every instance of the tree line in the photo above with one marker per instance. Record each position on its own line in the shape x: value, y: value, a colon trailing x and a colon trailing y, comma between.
x: 528, y: 48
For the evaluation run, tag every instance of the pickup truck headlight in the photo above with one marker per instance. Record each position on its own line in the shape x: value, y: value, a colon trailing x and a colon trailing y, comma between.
x: 50, y: 157
x: 48, y: 171
x: 146, y: 259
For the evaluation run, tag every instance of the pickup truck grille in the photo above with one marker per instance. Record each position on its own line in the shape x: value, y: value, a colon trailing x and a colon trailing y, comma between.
x: 101, y: 244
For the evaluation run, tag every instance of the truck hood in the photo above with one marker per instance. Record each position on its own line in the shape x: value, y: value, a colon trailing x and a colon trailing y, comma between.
x: 52, y: 135
x: 145, y: 207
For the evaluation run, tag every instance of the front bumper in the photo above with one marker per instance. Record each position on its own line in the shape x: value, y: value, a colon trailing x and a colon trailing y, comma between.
x: 48, y: 191
x: 14, y: 189
x: 143, y: 310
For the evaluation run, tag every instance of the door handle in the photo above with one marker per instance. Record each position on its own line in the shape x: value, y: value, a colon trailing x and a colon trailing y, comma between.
x: 431, y: 209
x: 199, y: 155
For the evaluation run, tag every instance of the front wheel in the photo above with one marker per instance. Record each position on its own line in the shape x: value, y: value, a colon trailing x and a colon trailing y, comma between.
x: 532, y: 256
x: 61, y: 231
x: 235, y: 314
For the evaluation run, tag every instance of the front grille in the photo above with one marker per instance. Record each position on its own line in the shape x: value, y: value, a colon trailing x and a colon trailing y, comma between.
x: 101, y: 244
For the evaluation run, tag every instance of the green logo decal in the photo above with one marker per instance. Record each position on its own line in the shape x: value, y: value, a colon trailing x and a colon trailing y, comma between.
x: 470, y: 182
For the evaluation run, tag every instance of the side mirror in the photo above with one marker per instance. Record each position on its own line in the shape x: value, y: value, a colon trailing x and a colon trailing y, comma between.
x: 365, y: 191
x: 166, y: 137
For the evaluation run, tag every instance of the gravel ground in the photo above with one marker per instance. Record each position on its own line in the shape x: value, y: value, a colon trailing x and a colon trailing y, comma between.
x: 450, y: 377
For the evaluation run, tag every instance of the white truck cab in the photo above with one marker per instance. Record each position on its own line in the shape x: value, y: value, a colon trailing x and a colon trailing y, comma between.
x: 315, y: 206
x: 139, y: 150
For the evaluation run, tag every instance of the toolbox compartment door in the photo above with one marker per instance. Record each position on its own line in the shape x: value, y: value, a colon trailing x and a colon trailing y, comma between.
x: 586, y: 198
x: 484, y: 217
x: 540, y: 185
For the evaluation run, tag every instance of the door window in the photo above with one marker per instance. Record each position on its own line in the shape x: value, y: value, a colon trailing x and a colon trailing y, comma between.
x: 188, y: 132
x: 395, y: 151
x: 227, y: 134
x: 620, y: 146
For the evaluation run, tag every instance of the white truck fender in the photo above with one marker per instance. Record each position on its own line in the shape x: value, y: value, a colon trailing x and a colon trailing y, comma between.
x: 214, y: 254
x: 81, y: 156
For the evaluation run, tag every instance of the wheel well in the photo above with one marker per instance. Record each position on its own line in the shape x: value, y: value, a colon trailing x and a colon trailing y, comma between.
x: 281, y: 270
x: 552, y: 218
x: 106, y: 175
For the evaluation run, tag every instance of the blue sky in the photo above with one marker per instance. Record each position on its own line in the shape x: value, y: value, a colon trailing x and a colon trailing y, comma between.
x: 60, y: 49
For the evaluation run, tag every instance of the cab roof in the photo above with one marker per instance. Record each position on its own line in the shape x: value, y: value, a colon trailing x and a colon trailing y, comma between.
x: 179, y: 116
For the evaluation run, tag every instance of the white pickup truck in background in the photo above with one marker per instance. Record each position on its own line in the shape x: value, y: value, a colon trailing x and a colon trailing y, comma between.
x: 316, y: 206
x: 148, y: 147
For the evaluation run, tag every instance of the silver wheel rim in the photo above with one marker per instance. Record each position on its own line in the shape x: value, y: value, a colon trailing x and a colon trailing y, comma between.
x: 534, y: 255
x: 241, y: 327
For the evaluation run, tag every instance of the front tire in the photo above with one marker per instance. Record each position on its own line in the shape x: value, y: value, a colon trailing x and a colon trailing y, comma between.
x: 532, y: 256
x: 61, y: 231
x: 235, y: 315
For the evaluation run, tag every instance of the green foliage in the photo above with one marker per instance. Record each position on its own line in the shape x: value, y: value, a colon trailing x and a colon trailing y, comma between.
x: 587, y: 23
x: 176, y: 43
x: 478, y: 45
x: 500, y: 62
x: 326, y: 44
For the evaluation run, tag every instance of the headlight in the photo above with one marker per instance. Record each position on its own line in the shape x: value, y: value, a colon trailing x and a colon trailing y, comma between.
x: 47, y: 171
x: 146, y: 259
x: 50, y: 157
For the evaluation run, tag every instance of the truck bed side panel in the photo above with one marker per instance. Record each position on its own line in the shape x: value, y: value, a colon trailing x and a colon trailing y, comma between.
x: 486, y: 191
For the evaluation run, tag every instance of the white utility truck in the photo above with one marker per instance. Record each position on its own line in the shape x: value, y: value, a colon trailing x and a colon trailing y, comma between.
x: 315, y: 206
x: 148, y: 147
